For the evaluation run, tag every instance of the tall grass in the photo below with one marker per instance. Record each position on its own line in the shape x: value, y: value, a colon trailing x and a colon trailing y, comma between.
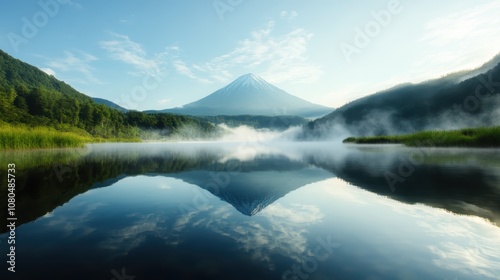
x: 39, y: 137
x: 469, y: 137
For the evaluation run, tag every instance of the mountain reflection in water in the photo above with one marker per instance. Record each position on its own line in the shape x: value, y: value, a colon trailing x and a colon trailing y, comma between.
x: 217, y: 211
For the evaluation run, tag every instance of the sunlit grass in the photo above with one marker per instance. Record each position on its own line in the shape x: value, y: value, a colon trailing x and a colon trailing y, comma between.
x: 23, y: 137
x: 469, y: 137
x: 38, y: 137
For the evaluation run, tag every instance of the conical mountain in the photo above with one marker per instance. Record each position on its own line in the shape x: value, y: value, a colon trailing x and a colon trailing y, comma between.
x: 251, y: 95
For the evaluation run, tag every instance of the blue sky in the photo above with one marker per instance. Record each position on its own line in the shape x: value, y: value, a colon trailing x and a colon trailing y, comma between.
x: 162, y: 54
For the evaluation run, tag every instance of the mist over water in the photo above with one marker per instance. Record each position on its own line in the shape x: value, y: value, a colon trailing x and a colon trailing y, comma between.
x: 224, y: 134
x: 387, y: 122
x: 376, y: 122
x: 249, y: 134
x: 258, y: 205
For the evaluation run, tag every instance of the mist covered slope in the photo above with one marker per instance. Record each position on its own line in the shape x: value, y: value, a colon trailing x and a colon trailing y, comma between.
x: 459, y: 100
x: 251, y: 95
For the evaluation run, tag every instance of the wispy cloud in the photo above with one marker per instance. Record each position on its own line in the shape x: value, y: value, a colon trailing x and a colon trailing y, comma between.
x: 276, y: 58
x: 461, y: 243
x: 48, y: 71
x: 288, y: 15
x: 75, y: 62
x: 480, y: 21
x: 181, y: 67
x: 122, y: 48
x: 165, y: 101
x: 278, y: 229
x: 128, y: 20
x: 466, y: 38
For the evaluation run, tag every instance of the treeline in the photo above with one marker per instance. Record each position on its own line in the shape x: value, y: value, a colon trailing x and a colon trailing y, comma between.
x: 484, y: 137
x: 31, y: 97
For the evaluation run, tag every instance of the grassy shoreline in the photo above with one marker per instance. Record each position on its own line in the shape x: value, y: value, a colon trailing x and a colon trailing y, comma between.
x: 22, y: 137
x: 483, y: 137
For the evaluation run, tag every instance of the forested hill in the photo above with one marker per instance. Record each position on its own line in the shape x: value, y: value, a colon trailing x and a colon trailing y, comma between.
x: 31, y: 97
x: 461, y: 100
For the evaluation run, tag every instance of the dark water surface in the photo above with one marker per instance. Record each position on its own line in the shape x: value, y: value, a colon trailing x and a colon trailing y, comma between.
x: 248, y: 211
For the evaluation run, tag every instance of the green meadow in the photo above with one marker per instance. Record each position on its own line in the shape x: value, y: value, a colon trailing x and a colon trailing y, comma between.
x: 39, y: 137
x: 469, y: 137
x: 25, y: 137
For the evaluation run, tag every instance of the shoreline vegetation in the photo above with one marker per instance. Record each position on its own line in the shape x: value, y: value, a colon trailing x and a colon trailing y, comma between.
x: 483, y: 137
x: 39, y: 137
x: 39, y: 111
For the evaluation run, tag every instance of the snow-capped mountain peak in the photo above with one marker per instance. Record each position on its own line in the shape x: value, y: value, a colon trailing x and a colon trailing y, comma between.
x: 249, y: 81
x: 251, y: 95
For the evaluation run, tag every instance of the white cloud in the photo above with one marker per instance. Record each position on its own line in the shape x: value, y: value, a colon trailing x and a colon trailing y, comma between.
x: 123, y: 49
x: 277, y: 229
x: 77, y: 227
x: 481, y: 20
x: 48, y: 71
x: 473, y: 248
x: 462, y: 40
x: 128, y: 20
x: 75, y: 62
x: 48, y: 215
x: 288, y: 15
x: 165, y: 101
x: 165, y: 188
x: 276, y: 58
x: 182, y: 68
x: 133, y: 235
x: 87, y: 56
x: 466, y: 244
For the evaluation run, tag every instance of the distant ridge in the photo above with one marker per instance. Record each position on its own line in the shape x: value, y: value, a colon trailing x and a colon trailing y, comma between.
x: 464, y: 99
x: 251, y: 95
x: 109, y: 104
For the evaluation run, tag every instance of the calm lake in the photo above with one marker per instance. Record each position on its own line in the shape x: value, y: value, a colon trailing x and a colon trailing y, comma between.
x: 254, y: 211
